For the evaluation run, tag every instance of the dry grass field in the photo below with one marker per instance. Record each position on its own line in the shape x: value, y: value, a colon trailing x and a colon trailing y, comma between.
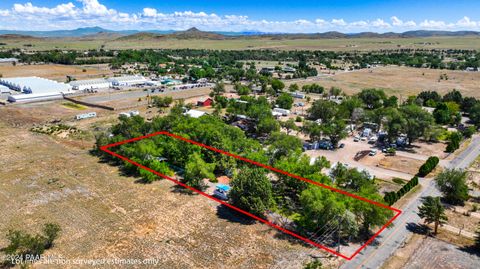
x: 401, y: 81
x: 55, y: 71
x: 104, y: 214
x: 340, y: 44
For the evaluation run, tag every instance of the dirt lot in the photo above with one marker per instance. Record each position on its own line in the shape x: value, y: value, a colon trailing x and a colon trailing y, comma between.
x: 106, y: 215
x: 401, y: 81
x: 434, y: 253
x: 55, y: 71
x: 133, y: 98
x: 399, y: 163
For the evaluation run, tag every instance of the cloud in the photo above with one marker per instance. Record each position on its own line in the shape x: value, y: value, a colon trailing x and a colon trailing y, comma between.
x: 88, y: 13
x: 399, y: 23
x: 432, y: 24
x: 379, y: 23
x: 29, y: 8
x: 149, y: 12
x: 396, y: 21
x: 467, y: 23
x: 339, y: 22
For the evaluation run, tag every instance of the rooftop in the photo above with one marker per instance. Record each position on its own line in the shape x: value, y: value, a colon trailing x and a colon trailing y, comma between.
x: 88, y: 82
x: 35, y: 85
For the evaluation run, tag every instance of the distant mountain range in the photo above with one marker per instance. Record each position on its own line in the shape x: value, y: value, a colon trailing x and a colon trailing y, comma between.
x: 194, y: 33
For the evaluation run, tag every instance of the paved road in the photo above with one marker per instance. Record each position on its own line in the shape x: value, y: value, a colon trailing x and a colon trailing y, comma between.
x: 375, y: 255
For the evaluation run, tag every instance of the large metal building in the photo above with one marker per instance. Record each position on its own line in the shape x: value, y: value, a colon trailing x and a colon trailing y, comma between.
x: 91, y: 84
x: 35, y: 89
x: 128, y: 81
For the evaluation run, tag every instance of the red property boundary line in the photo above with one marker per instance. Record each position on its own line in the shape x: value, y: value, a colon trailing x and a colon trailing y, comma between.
x: 398, y: 212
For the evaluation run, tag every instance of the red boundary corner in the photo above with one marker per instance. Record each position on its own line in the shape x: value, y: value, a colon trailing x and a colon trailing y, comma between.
x: 398, y: 212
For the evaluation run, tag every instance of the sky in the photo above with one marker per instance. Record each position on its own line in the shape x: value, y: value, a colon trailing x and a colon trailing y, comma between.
x: 293, y: 16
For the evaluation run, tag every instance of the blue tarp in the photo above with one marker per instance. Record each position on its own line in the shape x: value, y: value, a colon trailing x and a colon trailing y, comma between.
x: 223, y: 187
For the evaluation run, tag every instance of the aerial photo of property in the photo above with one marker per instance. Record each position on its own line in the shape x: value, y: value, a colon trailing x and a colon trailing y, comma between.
x: 276, y: 134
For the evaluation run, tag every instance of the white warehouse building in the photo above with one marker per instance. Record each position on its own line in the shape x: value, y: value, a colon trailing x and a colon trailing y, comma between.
x: 91, y: 84
x: 35, y: 89
x: 128, y: 80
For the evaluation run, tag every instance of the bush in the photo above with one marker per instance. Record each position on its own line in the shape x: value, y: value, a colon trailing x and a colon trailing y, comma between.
x: 428, y: 166
x: 454, y: 141
x: 391, y: 197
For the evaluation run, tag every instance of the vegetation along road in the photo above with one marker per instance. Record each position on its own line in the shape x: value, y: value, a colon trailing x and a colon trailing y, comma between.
x: 391, y: 239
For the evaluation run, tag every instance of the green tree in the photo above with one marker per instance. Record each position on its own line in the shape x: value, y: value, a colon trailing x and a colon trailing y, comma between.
x: 252, y: 191
x: 323, y: 110
x: 277, y: 85
x: 418, y: 122
x: 289, y: 125
x: 285, y: 101
x: 452, y: 183
x: 373, y: 98
x: 454, y: 140
x: 281, y: 144
x: 268, y: 125
x: 475, y: 114
x: 432, y: 211
x: 395, y: 123
x: 196, y: 170
x: 313, y: 130
x: 335, y: 130
x: 219, y: 88
x: 293, y: 87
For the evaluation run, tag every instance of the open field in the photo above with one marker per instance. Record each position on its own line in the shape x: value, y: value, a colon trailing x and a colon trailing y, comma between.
x: 105, y: 214
x: 340, y: 44
x: 55, y: 71
x: 400, y: 81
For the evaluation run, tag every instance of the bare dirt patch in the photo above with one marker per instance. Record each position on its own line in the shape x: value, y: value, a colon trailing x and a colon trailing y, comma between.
x: 400, y: 163
x: 104, y: 214
x: 55, y: 71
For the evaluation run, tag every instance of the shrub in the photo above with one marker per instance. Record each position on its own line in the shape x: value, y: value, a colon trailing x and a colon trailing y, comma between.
x: 428, y: 166
x: 454, y: 141
x: 391, y: 197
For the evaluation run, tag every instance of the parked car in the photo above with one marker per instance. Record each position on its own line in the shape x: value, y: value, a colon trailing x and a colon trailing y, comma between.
x: 356, y: 138
x: 373, y: 152
x: 341, y: 146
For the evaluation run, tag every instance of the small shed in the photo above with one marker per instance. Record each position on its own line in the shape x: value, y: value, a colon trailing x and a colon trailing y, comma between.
x: 205, y: 102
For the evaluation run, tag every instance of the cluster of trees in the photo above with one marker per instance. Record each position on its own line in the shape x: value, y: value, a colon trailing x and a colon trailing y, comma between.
x: 407, y: 118
x: 24, y: 248
x: 259, y: 110
x: 312, y: 88
x: 452, y: 184
x: 428, y: 166
x: 392, y: 197
x: 409, y: 57
x: 252, y: 187
x: 370, y: 105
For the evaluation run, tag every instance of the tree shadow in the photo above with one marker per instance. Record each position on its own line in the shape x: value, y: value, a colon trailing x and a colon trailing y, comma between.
x: 182, y: 190
x: 418, y: 228
x: 226, y: 213
x: 473, y: 249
